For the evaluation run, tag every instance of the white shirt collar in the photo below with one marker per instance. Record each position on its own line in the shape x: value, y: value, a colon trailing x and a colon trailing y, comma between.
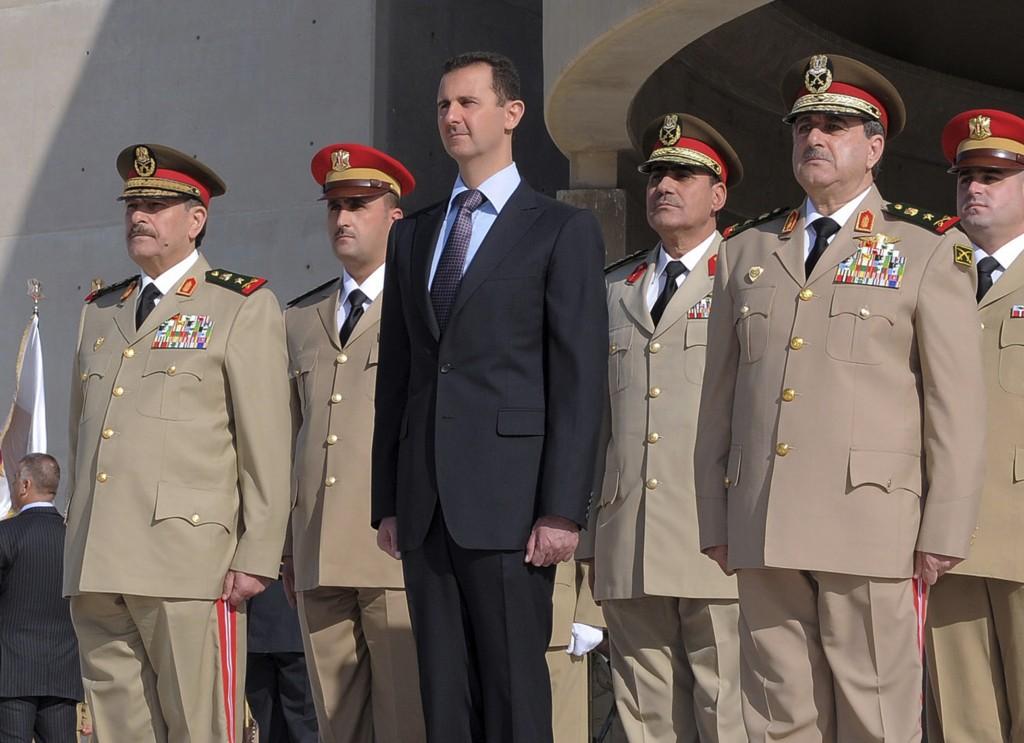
x: 371, y: 287
x: 841, y: 215
x: 1006, y: 255
x: 498, y: 188
x: 36, y: 504
x: 690, y: 259
x: 169, y: 278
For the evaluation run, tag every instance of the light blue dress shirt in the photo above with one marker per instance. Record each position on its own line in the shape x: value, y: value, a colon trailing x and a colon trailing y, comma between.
x: 498, y: 189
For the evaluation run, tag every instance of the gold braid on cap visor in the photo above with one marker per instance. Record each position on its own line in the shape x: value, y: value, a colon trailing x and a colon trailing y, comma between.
x: 685, y: 155
x: 834, y: 103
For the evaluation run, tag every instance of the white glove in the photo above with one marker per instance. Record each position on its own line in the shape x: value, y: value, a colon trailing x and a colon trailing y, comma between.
x: 583, y: 639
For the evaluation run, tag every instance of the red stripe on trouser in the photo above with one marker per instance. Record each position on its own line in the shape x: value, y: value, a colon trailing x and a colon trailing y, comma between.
x: 226, y: 629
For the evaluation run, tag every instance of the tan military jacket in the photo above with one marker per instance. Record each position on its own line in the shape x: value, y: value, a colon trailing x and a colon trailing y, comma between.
x: 179, y: 456
x: 841, y: 425
x: 645, y: 531
x: 572, y: 602
x: 997, y: 547
x: 332, y: 541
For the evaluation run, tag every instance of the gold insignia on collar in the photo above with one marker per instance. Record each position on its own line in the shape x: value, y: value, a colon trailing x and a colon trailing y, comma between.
x: 791, y: 221
x: 981, y: 127
x: 670, y: 131
x: 963, y: 256
x: 145, y: 165
x: 818, y: 76
x: 96, y: 284
x: 340, y: 160
x: 754, y: 273
x: 865, y: 221
x: 98, y: 343
x: 187, y: 288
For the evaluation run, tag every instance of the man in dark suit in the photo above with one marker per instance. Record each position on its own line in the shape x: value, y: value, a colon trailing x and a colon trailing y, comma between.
x: 40, y: 679
x: 276, y: 683
x: 488, y: 407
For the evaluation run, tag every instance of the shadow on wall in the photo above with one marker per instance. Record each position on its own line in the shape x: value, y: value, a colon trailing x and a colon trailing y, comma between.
x: 252, y: 87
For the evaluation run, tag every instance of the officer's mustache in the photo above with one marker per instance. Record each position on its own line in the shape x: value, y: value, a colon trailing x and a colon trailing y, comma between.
x: 343, y: 233
x: 816, y: 153
x: 140, y: 229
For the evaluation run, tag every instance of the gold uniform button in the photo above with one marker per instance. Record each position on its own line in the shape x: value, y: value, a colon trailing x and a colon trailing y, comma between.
x: 727, y: 481
x: 172, y: 370
x: 783, y: 449
x: 982, y: 327
x: 86, y: 376
x: 336, y: 397
x: 118, y: 391
x: 330, y: 480
x: 101, y: 477
x: 298, y: 372
x: 865, y: 312
x: 796, y: 343
x: 129, y: 352
x: 806, y: 295
x: 744, y: 310
x: 789, y: 394
x: 655, y: 391
x: 655, y: 347
x: 651, y: 484
x: 107, y: 433
x: 342, y: 358
x: 652, y: 438
x: 612, y: 349
x: 332, y: 439
x: 195, y: 518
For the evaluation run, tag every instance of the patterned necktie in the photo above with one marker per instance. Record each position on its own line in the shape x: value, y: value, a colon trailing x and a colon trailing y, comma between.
x: 453, y: 259
x: 147, y: 301
x: 824, y: 228
x: 355, y: 310
x: 673, y: 270
x: 986, y: 266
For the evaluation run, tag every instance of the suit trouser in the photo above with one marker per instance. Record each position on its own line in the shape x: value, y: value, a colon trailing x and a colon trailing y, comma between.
x: 482, y: 620
x: 676, y: 668
x: 161, y: 670
x: 829, y: 657
x: 362, y: 664
x: 39, y: 719
x: 280, y: 699
x: 570, y: 696
x: 976, y: 660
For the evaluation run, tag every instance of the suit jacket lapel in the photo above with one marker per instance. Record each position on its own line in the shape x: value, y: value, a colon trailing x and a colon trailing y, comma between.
x: 697, y: 285
x: 424, y: 238
x: 327, y: 309
x: 1011, y: 280
x: 508, y: 229
x: 843, y: 244
x: 790, y: 250
x: 634, y: 299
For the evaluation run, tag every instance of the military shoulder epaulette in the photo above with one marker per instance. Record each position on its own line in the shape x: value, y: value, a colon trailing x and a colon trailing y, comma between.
x: 311, y: 292
x: 934, y: 221
x: 104, y: 290
x: 739, y: 227
x: 236, y: 282
x: 620, y: 262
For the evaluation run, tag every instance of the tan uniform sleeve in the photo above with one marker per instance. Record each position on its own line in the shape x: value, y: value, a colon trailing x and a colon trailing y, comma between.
x: 949, y: 346
x: 714, y: 423
x: 74, y: 411
x: 257, y: 370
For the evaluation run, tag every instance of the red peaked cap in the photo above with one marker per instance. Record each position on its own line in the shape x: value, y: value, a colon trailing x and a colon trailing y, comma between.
x: 352, y: 170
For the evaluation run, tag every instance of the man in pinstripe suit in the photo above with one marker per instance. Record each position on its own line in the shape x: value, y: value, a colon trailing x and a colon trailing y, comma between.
x: 40, y: 680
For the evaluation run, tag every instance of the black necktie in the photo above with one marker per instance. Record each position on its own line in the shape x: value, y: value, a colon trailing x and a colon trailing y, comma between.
x: 824, y: 228
x: 986, y: 266
x: 355, y: 310
x: 147, y: 301
x: 673, y: 270
x: 448, y: 275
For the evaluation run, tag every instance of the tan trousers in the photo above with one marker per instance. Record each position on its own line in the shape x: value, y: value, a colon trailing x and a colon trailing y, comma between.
x: 570, y: 696
x: 361, y: 658
x: 161, y: 670
x: 675, y: 669
x: 976, y: 660
x: 829, y: 657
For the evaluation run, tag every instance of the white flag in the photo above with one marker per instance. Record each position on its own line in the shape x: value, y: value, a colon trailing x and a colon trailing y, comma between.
x: 25, y: 428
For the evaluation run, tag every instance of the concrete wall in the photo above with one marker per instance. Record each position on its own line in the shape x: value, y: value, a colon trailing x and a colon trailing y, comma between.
x: 253, y: 88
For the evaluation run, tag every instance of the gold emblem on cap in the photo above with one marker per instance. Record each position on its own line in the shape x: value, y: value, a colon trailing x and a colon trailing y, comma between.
x: 145, y: 165
x: 670, y: 130
x: 340, y: 160
x: 981, y: 127
x: 818, y: 77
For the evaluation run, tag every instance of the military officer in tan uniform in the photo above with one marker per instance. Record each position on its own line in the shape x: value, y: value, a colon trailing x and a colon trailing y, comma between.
x: 352, y: 608
x: 179, y: 426
x: 672, y: 616
x: 976, y: 613
x: 839, y: 461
